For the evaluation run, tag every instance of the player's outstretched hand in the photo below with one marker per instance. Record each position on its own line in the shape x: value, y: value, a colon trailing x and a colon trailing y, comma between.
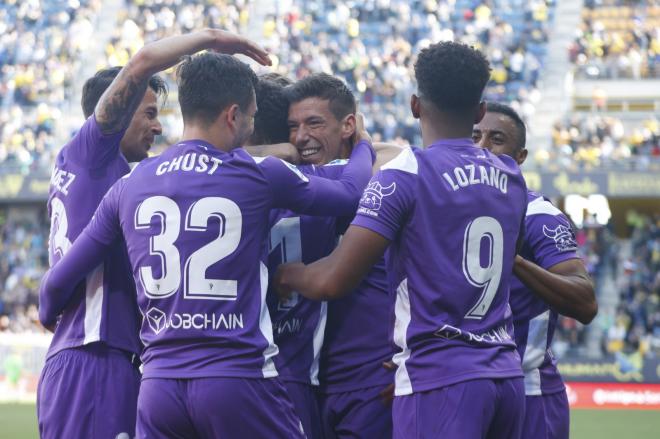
x: 360, y: 131
x: 230, y: 43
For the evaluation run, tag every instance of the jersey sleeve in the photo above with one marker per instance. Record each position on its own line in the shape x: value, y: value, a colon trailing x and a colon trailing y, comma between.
x: 104, y: 226
x: 91, y: 148
x: 550, y: 239
x: 386, y: 202
x: 314, y: 195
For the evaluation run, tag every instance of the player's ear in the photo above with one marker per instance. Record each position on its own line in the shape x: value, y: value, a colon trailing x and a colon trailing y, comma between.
x: 233, y: 115
x: 415, y: 105
x: 481, y: 112
x: 522, y: 156
x: 348, y: 126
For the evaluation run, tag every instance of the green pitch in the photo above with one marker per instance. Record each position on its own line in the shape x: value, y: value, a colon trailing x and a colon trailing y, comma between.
x: 19, y: 421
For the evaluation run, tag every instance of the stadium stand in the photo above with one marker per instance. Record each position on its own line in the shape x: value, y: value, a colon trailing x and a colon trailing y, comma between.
x: 370, y: 44
x: 23, y: 245
x: 41, y: 48
x: 636, y: 324
x: 618, y: 39
x: 587, y: 142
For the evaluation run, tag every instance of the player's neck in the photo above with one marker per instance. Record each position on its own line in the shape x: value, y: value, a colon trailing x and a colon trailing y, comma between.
x: 444, y: 128
x: 212, y: 135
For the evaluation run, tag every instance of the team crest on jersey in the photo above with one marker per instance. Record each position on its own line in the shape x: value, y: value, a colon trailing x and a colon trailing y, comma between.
x: 563, y: 237
x: 374, y: 194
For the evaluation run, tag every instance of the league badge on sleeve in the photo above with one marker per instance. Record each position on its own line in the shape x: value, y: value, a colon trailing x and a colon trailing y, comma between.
x: 374, y: 194
x: 563, y: 237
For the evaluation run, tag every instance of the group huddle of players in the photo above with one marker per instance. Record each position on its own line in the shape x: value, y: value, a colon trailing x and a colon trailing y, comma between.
x: 275, y: 275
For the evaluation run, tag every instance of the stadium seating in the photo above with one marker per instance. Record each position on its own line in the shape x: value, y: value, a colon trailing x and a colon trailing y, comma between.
x: 618, y: 39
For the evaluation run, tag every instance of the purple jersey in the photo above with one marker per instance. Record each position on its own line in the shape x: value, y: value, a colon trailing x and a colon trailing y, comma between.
x: 453, y: 213
x: 103, y: 307
x: 549, y: 240
x: 299, y: 323
x: 195, y: 221
x: 357, y: 338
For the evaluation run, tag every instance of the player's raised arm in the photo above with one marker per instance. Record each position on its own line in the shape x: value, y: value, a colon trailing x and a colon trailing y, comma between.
x: 87, y: 252
x: 119, y: 102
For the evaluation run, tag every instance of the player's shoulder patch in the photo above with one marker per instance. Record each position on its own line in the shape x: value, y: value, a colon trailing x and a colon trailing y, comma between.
x: 541, y: 206
x: 337, y: 162
x: 406, y: 161
x: 295, y: 170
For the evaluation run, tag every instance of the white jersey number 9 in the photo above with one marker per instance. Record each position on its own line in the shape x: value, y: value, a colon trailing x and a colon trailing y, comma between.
x: 488, y: 277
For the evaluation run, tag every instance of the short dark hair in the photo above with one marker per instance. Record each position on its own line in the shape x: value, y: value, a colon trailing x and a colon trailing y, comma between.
x: 95, y: 86
x: 452, y: 76
x: 495, y: 107
x: 341, y: 100
x: 210, y: 82
x: 270, y: 122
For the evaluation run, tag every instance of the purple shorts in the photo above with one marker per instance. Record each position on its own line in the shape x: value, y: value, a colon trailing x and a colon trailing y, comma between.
x: 216, y: 408
x: 358, y: 414
x: 475, y: 409
x: 547, y: 416
x: 306, y: 406
x: 88, y: 391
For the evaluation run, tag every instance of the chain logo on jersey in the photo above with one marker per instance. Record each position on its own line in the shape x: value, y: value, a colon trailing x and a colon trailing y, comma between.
x: 158, y: 321
x: 373, y: 195
x: 563, y: 237
x: 497, y: 335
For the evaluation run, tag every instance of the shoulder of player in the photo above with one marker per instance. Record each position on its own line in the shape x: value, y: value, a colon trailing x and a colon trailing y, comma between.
x: 542, y: 213
x: 406, y: 161
x: 539, y: 205
x: 87, y: 137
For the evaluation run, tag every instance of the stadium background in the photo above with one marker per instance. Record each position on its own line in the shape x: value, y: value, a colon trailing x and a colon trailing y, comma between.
x: 584, y: 74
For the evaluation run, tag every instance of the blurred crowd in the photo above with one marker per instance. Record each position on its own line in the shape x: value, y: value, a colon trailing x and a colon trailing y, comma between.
x: 585, y: 142
x: 598, y: 248
x: 371, y: 44
x: 41, y: 48
x: 24, y: 249
x: 635, y: 326
x: 618, y: 39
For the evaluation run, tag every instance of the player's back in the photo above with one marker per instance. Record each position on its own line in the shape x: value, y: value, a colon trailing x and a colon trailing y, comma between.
x: 462, y: 209
x: 103, y: 307
x: 195, y: 221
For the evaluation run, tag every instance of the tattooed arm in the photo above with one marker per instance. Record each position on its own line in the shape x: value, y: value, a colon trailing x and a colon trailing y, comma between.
x: 119, y: 102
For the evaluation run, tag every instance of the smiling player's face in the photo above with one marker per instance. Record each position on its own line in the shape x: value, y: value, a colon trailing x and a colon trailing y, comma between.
x: 498, y: 133
x: 144, y: 127
x: 315, y: 131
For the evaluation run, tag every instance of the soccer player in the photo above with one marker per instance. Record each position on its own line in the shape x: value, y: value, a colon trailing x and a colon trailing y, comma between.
x: 89, y: 385
x: 195, y: 223
x: 550, y: 279
x: 355, y: 344
x: 451, y: 216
